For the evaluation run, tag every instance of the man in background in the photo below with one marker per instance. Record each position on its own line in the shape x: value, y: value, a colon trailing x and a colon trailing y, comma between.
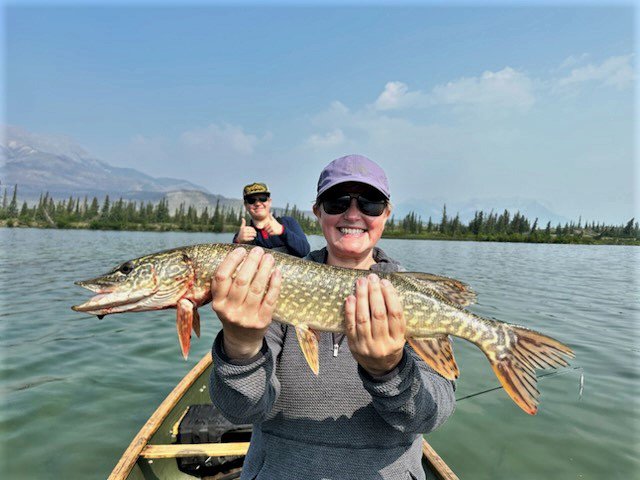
x: 282, y: 234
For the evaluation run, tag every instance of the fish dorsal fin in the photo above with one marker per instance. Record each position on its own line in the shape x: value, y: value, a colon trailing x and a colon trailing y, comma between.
x: 184, y: 322
x: 308, y: 339
x: 437, y: 352
x: 449, y: 289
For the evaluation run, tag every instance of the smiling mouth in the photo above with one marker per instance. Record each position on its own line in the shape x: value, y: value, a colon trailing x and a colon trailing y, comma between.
x: 351, y: 231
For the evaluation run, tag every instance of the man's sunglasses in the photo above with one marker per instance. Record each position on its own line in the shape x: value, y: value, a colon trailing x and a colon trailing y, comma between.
x: 338, y: 205
x: 260, y: 198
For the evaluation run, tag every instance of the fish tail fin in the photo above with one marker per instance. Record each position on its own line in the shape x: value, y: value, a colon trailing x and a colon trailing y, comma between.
x: 515, y: 364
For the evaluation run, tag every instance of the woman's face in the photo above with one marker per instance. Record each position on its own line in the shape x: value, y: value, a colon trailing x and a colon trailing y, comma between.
x: 352, y: 234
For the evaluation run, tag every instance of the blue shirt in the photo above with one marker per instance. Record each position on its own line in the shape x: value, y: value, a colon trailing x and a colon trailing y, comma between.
x: 292, y: 241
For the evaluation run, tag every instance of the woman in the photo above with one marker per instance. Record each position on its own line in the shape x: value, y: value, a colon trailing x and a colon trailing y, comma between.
x: 362, y: 417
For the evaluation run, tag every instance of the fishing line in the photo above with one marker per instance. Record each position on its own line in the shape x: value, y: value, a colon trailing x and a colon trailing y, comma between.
x: 540, y: 377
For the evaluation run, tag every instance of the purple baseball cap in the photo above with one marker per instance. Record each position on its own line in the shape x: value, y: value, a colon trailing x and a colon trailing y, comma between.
x: 353, y: 168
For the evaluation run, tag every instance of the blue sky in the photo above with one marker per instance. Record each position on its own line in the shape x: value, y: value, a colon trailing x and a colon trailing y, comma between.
x: 456, y: 103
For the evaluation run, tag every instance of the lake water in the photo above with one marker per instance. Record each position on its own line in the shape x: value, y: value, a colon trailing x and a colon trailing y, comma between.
x: 74, y: 390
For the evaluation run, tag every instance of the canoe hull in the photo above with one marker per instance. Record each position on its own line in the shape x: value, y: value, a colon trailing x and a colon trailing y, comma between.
x: 151, y: 454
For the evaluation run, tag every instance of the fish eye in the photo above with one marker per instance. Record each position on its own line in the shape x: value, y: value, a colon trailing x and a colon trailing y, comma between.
x: 126, y: 268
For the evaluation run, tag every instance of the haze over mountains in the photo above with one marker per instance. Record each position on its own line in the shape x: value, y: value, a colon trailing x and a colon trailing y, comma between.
x: 61, y: 167
x: 58, y: 165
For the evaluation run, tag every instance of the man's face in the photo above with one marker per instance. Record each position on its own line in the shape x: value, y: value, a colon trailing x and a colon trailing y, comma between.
x: 261, y: 206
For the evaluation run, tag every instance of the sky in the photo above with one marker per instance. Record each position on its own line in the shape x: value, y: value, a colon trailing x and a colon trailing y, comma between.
x: 462, y: 102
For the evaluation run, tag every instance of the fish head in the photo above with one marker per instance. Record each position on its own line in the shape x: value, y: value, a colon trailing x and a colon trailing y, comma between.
x: 153, y: 282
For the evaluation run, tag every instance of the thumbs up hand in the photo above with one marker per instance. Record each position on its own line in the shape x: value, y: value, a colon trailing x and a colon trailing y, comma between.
x: 246, y: 234
x: 273, y: 227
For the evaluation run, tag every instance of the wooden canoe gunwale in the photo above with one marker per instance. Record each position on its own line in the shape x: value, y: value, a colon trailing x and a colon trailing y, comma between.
x: 131, y: 454
x: 139, y: 446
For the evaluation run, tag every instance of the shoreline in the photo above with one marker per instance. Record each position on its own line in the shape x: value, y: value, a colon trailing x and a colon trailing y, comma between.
x: 504, y: 238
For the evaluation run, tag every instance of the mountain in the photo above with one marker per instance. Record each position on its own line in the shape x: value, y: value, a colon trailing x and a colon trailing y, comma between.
x: 531, y: 209
x: 58, y: 165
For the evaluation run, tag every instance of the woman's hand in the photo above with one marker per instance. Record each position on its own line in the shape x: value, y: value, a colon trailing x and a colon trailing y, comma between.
x: 375, y: 326
x: 241, y: 303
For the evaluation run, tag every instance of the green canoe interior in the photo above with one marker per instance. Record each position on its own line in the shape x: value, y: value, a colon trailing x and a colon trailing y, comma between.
x: 166, y: 468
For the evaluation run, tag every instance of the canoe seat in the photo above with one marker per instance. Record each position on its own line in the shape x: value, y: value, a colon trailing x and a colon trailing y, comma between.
x: 205, y: 424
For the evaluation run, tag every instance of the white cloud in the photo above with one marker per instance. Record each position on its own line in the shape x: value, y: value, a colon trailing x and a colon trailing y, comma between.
x: 507, y: 88
x: 330, y: 139
x: 614, y: 71
x: 217, y: 139
x: 396, y: 95
x: 573, y: 60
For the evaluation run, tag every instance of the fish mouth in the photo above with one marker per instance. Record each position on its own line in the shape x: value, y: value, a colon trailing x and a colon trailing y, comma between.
x: 109, y: 300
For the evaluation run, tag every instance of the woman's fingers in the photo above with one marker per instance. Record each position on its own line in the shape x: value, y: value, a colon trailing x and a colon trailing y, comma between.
x: 240, y: 286
x: 223, y: 278
x: 271, y: 297
x: 377, y: 309
x: 258, y: 285
x: 350, y: 319
x: 363, y: 322
x: 395, y: 313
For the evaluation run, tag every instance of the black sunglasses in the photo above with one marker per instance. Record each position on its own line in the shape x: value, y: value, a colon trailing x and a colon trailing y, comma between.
x: 338, y: 205
x: 252, y: 200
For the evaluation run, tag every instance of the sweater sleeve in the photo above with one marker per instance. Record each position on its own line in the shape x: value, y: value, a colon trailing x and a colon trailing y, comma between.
x: 294, y: 238
x: 245, y: 390
x: 412, y: 397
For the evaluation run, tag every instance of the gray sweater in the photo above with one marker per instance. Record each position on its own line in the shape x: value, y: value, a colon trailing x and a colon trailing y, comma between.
x: 341, y: 424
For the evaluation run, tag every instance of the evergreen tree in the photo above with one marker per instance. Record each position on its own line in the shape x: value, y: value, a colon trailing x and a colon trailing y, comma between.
x: 12, y: 209
x: 455, y: 225
x: 444, y: 222
x: 627, y: 231
x: 93, y: 210
x: 104, y: 213
x: 475, y: 226
x: 24, y: 212
x: 70, y: 205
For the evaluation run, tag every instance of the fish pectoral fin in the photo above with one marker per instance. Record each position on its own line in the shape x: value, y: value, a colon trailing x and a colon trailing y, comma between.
x: 516, y: 369
x: 437, y: 352
x: 452, y: 290
x: 196, y: 322
x: 308, y: 339
x: 184, y: 322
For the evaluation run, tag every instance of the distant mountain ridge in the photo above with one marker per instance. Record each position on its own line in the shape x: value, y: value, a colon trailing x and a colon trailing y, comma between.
x: 58, y: 165
x: 39, y: 163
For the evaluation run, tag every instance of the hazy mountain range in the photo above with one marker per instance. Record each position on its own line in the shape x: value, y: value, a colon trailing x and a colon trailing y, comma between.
x: 58, y: 165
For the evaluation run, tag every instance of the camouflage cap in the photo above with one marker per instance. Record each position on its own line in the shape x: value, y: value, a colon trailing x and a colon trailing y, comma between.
x: 254, y: 188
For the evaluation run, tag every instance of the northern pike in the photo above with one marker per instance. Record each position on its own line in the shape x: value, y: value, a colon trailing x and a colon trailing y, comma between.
x: 312, y: 298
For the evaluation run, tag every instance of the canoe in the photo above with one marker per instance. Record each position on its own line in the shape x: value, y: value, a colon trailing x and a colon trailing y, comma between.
x: 153, y: 453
